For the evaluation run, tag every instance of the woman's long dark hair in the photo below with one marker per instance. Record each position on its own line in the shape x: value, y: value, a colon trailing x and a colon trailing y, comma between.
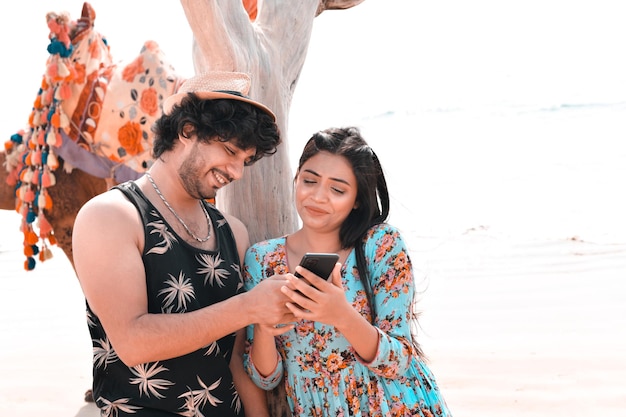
x: 372, y: 199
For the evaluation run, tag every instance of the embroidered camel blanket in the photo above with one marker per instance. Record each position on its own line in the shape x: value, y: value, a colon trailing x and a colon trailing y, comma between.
x: 92, y: 112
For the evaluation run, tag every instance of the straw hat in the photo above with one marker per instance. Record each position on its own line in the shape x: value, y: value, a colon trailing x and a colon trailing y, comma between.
x: 216, y: 85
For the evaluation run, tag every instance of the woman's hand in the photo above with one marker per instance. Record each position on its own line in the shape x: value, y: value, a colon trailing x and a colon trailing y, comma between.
x: 317, y: 299
x: 325, y: 302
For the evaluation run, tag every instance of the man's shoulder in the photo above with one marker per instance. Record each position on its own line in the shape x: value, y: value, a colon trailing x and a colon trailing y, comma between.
x: 109, y: 204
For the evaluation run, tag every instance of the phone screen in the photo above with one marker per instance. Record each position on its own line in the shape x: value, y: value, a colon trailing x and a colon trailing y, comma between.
x: 321, y: 264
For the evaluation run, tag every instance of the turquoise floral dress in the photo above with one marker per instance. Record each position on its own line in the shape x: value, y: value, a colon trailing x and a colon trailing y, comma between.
x: 323, y: 375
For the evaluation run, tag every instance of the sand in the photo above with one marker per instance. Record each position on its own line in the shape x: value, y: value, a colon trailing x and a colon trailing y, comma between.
x: 512, y: 328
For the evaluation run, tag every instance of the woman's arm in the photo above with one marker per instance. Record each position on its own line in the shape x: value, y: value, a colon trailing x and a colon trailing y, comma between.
x: 262, y: 361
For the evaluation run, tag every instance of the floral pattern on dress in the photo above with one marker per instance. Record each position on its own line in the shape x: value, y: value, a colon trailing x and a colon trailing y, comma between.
x: 322, y: 374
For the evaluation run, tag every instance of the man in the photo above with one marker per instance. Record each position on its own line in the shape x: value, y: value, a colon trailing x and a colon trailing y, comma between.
x: 160, y: 268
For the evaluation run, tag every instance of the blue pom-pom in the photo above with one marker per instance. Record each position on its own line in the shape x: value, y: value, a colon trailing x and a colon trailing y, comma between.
x: 30, y: 216
x: 35, y: 249
x: 58, y: 48
x: 16, y: 137
x: 50, y: 114
x: 30, y: 263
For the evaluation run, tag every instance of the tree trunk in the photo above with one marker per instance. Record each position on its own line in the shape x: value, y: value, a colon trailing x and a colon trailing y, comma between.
x: 272, y: 49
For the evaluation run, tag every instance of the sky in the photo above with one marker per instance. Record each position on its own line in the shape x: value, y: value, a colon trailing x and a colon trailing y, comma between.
x: 378, y: 56
x: 443, y: 69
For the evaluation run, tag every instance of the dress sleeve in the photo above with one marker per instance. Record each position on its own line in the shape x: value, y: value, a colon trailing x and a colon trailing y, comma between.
x: 255, y: 270
x: 393, y: 286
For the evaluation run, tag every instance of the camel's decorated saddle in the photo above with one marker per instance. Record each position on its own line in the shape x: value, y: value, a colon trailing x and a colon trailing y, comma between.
x: 87, y: 106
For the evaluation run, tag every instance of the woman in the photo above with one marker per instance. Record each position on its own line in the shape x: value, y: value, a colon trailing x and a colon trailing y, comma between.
x: 352, y: 352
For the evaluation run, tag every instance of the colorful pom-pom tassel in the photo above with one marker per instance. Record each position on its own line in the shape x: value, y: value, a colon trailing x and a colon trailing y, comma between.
x: 51, y: 138
x: 28, y: 175
x: 56, y: 119
x: 41, y: 200
x: 36, y: 157
x: 41, y: 137
x: 17, y: 137
x: 29, y: 195
x: 45, y: 254
x: 58, y: 139
x: 44, y: 226
x: 65, y: 91
x: 30, y: 237
x: 47, y: 179
x: 30, y: 216
x: 62, y: 70
x: 51, y: 70
x: 64, y: 122
x: 47, y: 205
x: 52, y: 161
x: 29, y: 264
x: 48, y: 96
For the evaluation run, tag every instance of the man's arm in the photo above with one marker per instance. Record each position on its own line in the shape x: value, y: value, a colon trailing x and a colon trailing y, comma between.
x: 107, y: 244
x: 253, y: 398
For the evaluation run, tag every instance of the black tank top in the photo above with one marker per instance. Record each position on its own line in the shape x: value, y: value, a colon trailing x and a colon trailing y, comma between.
x: 179, y: 278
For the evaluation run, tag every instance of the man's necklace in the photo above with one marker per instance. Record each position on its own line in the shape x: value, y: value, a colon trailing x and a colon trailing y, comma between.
x: 206, y: 213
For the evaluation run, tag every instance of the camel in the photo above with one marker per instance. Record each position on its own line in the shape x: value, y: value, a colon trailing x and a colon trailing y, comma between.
x: 268, y: 40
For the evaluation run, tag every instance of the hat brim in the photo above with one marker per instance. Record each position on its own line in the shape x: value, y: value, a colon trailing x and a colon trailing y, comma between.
x: 177, y: 98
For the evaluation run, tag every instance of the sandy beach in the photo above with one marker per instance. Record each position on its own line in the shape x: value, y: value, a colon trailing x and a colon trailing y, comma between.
x: 512, y: 328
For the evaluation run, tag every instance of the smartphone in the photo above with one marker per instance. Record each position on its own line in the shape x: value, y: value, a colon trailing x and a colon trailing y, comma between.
x: 321, y: 264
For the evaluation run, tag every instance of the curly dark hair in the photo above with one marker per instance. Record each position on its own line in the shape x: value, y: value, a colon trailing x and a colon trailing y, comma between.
x: 220, y: 119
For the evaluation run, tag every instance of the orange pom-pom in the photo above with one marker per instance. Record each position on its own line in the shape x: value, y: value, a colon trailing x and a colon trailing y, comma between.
x: 56, y: 119
x: 30, y: 237
x: 52, y: 239
x: 45, y: 198
x: 28, y: 250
